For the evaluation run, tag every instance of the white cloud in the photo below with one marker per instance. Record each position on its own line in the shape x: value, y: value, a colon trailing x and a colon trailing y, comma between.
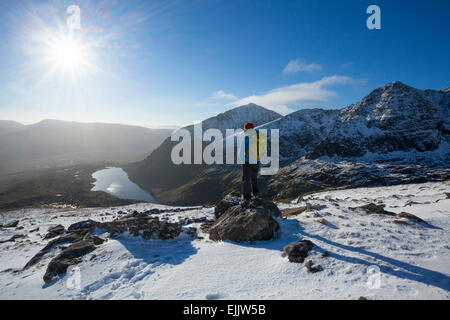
x: 300, y: 65
x: 297, y: 95
x: 223, y: 95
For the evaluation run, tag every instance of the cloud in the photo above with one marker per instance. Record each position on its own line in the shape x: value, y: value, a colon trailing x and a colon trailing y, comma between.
x: 297, y: 95
x: 300, y: 65
x: 222, y: 95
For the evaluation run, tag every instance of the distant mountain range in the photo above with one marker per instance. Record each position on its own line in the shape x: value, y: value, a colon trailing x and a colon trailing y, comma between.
x: 54, y: 143
x: 396, y: 134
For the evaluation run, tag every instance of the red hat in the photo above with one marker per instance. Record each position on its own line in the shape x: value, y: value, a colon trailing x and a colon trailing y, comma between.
x: 248, y: 125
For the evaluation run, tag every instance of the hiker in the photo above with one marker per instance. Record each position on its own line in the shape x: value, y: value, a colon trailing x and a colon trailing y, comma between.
x: 250, y: 157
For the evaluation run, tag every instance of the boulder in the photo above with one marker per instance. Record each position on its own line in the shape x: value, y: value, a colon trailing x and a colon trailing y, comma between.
x: 298, y: 251
x: 249, y: 221
x: 230, y: 200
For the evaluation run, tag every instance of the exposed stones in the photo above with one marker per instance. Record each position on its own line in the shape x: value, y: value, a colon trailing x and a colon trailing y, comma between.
x: 298, y: 251
x: 239, y: 225
x: 322, y: 221
x: 54, y: 231
x: 250, y: 221
x: 292, y: 211
x: 69, y: 256
x: 295, y: 211
x: 227, y: 202
x: 192, y: 231
x: 14, y: 238
x: 310, y: 266
x: 12, y: 224
x: 79, y: 236
x: 373, y: 208
x: 400, y: 222
x: 411, y: 216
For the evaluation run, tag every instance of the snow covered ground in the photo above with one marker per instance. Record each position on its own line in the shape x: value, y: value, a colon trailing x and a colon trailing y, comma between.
x: 368, y: 255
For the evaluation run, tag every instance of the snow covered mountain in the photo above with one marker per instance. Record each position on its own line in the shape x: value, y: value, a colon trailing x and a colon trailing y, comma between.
x: 302, y: 131
x: 158, y: 173
x: 395, y: 124
x: 408, y: 258
x: 394, y: 117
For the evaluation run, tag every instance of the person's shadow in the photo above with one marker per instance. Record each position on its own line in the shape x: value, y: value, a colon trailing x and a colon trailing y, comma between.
x: 394, y: 267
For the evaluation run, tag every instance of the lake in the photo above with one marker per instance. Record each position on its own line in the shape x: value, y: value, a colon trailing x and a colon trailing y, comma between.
x: 115, y: 181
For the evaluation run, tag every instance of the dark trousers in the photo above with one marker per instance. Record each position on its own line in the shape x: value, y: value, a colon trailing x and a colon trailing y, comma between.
x: 250, y: 180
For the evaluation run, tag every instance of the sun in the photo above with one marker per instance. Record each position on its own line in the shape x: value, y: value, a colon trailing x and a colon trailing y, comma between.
x: 67, y: 57
x: 68, y: 54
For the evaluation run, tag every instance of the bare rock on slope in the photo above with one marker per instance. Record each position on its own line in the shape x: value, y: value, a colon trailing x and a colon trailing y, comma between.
x: 298, y: 251
x: 249, y: 221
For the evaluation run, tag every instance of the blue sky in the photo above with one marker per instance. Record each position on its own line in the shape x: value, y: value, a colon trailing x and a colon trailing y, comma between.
x: 165, y: 63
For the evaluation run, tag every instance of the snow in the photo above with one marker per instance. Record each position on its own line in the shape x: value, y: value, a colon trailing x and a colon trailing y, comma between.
x: 414, y: 259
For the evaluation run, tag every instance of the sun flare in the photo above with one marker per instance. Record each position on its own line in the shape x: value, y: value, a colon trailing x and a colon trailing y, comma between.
x: 67, y: 57
x: 68, y: 53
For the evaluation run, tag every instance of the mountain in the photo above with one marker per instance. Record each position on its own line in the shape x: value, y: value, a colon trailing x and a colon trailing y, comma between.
x: 394, y: 117
x: 176, y: 183
x: 54, y: 143
x: 396, y: 134
x: 7, y: 126
x: 302, y: 130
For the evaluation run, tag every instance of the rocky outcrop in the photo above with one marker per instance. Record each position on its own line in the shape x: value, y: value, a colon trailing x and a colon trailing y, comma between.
x: 54, y: 231
x: 232, y: 199
x: 69, y: 256
x: 82, y: 241
x: 12, y: 224
x: 248, y: 221
x: 298, y: 251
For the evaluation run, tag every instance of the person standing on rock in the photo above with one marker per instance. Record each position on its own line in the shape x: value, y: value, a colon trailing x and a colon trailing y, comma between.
x: 249, y: 154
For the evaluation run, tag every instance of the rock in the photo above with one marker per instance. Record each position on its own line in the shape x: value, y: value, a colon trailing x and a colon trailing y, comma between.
x: 298, y: 251
x: 227, y: 202
x: 192, y: 231
x: 373, y: 208
x: 322, y: 221
x: 12, y: 224
x: 325, y: 254
x: 143, y: 224
x: 362, y: 298
x: 97, y: 240
x: 251, y: 221
x: 68, y: 257
x: 400, y: 222
x: 292, y: 211
x: 54, y: 231
x: 411, y: 216
x: 310, y: 266
x: 85, y: 226
x: 14, y: 238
